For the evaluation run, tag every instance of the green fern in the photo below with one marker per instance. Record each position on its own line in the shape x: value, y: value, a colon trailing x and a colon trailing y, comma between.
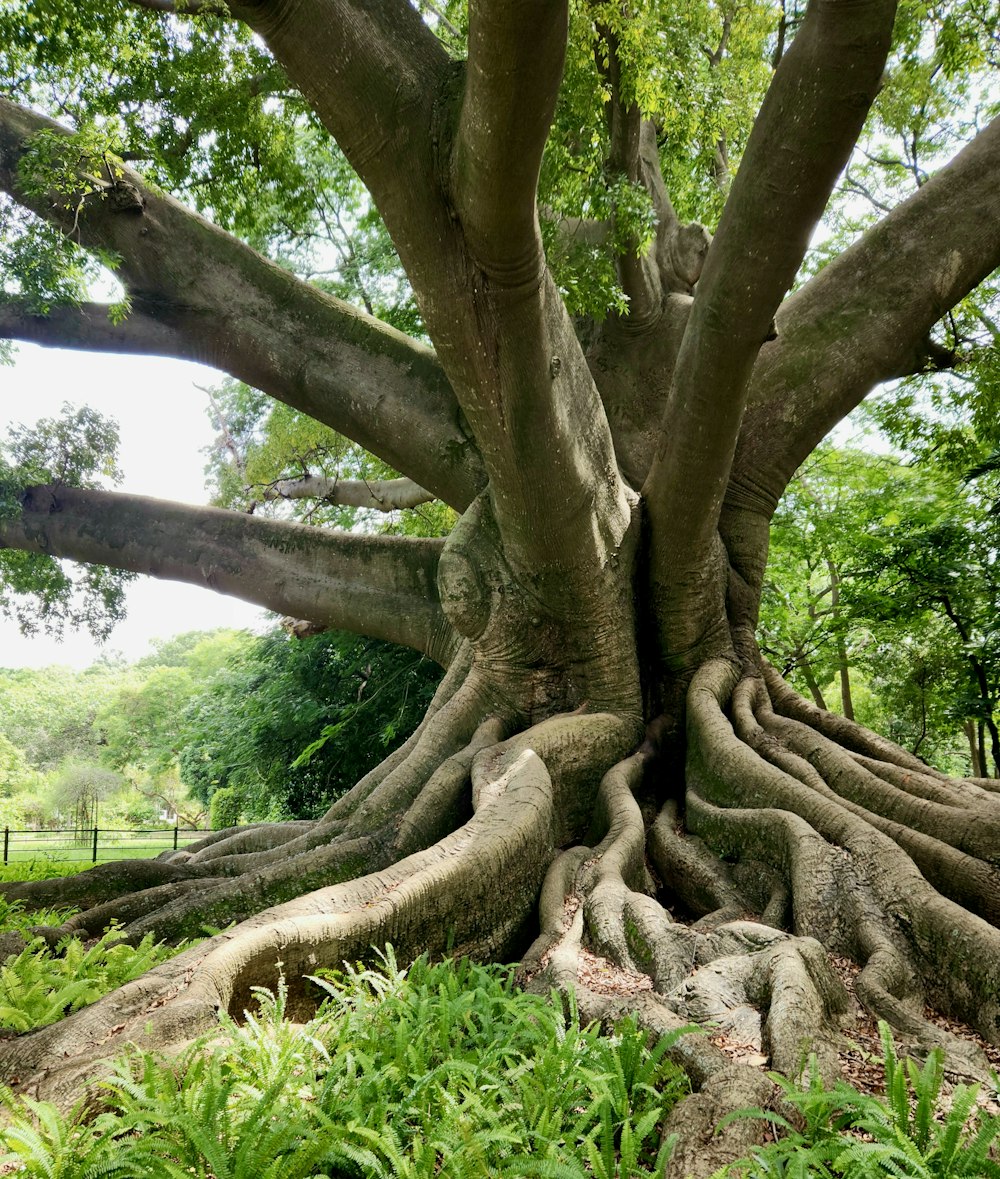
x: 39, y: 985
x: 911, y: 1132
x: 436, y: 1072
x: 914, y: 1132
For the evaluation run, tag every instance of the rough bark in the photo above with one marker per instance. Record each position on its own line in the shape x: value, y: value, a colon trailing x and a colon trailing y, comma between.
x: 385, y: 586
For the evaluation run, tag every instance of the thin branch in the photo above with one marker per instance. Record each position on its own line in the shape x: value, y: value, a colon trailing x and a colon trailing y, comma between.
x: 716, y: 55
x: 239, y: 459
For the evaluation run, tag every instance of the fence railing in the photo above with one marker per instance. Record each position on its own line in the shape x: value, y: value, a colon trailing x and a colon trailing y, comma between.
x: 93, y: 843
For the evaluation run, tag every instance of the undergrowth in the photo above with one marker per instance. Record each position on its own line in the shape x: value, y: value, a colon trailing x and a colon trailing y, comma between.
x: 438, y: 1070
x: 14, y: 918
x: 917, y: 1130
x: 445, y: 1070
x: 40, y: 985
x: 40, y: 868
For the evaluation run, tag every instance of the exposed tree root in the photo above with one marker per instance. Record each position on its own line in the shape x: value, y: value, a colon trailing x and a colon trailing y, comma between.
x: 854, y: 881
x: 472, y: 891
x: 784, y: 845
x: 604, y: 937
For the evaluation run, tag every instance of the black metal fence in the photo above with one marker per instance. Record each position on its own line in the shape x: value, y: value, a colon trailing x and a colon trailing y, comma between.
x: 94, y: 843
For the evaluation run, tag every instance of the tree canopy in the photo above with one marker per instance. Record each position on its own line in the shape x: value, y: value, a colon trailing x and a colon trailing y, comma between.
x: 598, y: 279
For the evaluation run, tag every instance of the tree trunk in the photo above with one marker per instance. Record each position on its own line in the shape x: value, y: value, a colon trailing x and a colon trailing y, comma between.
x: 805, y: 667
x: 972, y: 737
x: 843, y: 664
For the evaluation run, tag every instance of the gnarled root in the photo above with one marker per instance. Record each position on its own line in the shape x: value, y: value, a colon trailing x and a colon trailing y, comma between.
x: 768, y: 994
x: 788, y: 847
x: 889, y: 869
x: 472, y: 891
x: 792, y: 839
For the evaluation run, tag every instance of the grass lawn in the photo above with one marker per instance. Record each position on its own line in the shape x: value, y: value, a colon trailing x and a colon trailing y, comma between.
x: 76, y: 853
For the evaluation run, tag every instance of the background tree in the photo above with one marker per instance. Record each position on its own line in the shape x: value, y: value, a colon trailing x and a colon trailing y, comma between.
x: 292, y: 724
x: 614, y: 430
x: 889, y: 567
x: 139, y: 723
x: 78, y: 790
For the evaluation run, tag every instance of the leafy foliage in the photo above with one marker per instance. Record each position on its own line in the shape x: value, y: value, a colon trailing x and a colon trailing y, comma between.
x: 350, y: 701
x: 915, y: 1131
x: 79, y: 449
x: 49, y: 713
x: 39, y: 986
x: 889, y: 567
x: 37, y: 869
x: 438, y: 1070
x: 226, y: 713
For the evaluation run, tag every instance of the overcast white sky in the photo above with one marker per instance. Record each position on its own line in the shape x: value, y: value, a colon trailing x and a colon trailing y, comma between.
x: 163, y: 430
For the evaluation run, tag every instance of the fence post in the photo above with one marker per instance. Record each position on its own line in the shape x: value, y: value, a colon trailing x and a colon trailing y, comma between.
x: 6, y: 842
x: 95, y: 846
x: 175, y: 837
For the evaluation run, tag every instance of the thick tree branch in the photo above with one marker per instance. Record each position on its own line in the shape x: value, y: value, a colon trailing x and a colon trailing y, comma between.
x: 801, y: 140
x: 90, y: 328
x: 380, y: 586
x: 883, y: 295
x: 383, y: 87
x: 237, y: 311
x: 386, y: 91
x: 381, y: 495
x: 507, y: 108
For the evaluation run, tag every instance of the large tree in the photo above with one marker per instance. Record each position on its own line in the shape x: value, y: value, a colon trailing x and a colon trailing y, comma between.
x: 606, y: 715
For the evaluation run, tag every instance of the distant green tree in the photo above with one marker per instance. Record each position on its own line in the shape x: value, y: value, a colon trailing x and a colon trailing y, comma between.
x: 78, y: 790
x: 347, y: 700
x: 15, y: 770
x: 889, y: 568
x: 49, y: 712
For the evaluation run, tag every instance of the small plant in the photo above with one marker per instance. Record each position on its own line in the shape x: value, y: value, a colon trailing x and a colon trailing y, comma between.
x: 437, y: 1071
x: 14, y: 918
x: 914, y: 1132
x: 39, y: 986
x: 40, y: 868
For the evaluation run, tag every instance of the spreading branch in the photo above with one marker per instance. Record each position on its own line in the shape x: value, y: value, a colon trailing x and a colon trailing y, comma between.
x: 389, y: 95
x: 380, y: 586
x: 883, y: 294
x: 254, y: 320
x: 91, y: 327
x: 801, y: 140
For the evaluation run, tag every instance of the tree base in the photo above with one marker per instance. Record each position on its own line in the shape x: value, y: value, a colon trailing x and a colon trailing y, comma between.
x: 796, y: 836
